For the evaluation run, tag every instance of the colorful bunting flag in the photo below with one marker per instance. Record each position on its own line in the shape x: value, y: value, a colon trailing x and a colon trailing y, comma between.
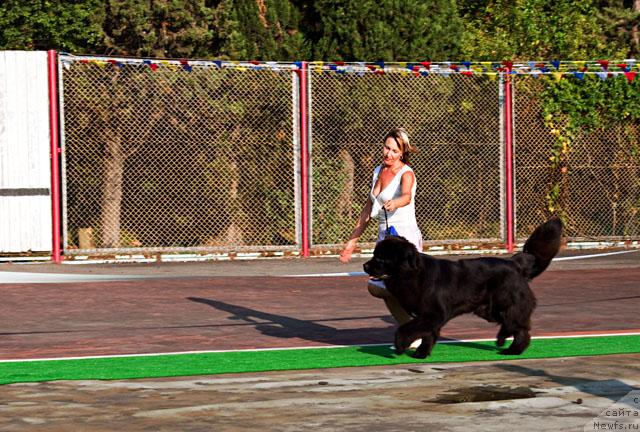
x: 556, y: 69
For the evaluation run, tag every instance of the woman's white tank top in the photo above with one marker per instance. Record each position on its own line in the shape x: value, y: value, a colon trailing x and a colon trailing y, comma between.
x: 403, y: 219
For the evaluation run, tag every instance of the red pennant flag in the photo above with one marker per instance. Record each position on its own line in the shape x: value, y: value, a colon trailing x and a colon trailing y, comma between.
x: 630, y: 75
x: 508, y: 64
x: 253, y: 62
x: 153, y: 66
x: 453, y: 67
x: 339, y: 63
x: 604, y: 64
x: 467, y: 73
x: 427, y: 65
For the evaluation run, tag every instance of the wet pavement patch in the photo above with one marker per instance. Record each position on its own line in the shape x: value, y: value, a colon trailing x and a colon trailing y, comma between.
x: 484, y: 394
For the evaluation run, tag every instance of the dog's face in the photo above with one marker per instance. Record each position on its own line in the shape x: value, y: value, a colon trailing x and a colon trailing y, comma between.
x: 393, y: 256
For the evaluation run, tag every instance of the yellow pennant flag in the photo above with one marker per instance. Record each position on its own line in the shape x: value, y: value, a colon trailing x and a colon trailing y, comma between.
x: 557, y: 75
x: 167, y: 64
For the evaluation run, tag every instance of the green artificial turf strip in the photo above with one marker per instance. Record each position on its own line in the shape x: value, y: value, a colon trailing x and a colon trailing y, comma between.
x: 170, y: 365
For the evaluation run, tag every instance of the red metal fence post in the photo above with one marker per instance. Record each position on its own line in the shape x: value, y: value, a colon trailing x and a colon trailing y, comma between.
x: 304, y: 158
x: 56, y: 253
x: 508, y: 125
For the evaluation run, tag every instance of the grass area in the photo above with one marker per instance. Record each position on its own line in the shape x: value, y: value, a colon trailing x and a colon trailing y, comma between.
x: 171, y: 365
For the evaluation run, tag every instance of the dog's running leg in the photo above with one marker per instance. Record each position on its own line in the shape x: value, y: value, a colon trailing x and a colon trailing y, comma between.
x: 503, y: 334
x: 428, y: 342
x: 413, y: 330
x: 516, y: 320
x: 521, y: 340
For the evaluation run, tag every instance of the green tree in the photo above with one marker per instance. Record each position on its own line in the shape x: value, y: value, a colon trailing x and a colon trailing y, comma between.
x: 258, y: 30
x: 388, y: 30
x: 621, y: 21
x: 157, y: 28
x: 535, y: 30
x: 49, y: 24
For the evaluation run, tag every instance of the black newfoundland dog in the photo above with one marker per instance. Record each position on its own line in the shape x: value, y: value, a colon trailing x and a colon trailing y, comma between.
x: 435, y: 290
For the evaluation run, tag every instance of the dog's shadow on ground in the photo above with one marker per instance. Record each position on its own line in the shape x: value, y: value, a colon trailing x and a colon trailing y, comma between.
x: 284, y: 327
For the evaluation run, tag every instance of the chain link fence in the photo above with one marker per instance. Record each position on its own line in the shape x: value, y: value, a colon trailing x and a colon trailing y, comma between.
x: 202, y: 156
x: 164, y: 158
x: 454, y: 121
x: 596, y: 188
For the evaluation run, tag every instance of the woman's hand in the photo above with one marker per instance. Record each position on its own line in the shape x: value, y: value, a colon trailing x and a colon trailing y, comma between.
x: 345, y: 255
x: 390, y: 205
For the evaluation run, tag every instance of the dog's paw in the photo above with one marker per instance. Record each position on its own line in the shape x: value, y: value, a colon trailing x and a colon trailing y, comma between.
x: 420, y: 354
x: 500, y: 342
x: 511, y: 351
x: 399, y: 343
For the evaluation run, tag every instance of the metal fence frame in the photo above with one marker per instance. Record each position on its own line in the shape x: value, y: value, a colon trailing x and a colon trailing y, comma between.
x: 306, y: 103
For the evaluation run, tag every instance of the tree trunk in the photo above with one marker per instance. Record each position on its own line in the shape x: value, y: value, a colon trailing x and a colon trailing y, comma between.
x: 345, y: 200
x: 234, y: 233
x: 112, y: 191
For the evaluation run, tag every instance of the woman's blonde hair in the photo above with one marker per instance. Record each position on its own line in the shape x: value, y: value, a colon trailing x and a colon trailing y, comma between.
x: 401, y: 136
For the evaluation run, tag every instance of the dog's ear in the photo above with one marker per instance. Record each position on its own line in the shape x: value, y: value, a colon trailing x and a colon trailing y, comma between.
x: 411, y: 257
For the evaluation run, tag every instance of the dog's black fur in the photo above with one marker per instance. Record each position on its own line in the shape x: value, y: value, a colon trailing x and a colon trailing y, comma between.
x: 435, y: 290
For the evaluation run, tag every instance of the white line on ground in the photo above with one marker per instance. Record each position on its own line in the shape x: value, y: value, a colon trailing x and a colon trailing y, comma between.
x: 594, y: 255
x: 567, y: 336
x: 555, y: 259
x: 24, y: 277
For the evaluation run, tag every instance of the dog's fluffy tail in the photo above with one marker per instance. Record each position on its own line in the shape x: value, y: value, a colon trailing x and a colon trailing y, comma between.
x: 540, y: 248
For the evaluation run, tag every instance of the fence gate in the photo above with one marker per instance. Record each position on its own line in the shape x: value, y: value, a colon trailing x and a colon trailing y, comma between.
x: 455, y: 121
x: 25, y: 174
x: 177, y: 156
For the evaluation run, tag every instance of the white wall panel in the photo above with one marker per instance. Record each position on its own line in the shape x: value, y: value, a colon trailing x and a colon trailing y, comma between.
x: 25, y: 172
